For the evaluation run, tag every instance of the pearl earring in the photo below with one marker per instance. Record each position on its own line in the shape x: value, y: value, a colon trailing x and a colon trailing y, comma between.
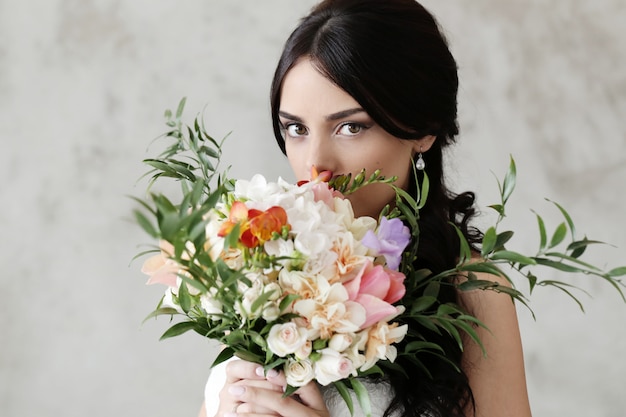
x: 420, y: 164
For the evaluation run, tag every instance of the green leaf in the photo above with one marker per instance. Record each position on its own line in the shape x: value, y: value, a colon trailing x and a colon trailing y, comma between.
x: 543, y: 237
x: 181, y: 107
x: 564, y: 288
x: 146, y: 224
x: 576, y: 261
x: 342, y: 389
x: 184, y: 299
x: 465, y: 252
x: 489, y: 242
x: 477, y: 284
x: 617, y: 272
x: 567, y: 217
x: 419, y: 345
x: 578, y: 247
x: 499, y: 208
x: 509, y: 181
x: 246, y: 355
x: 484, y: 267
x: 557, y: 265
x: 503, y: 238
x: 178, y: 329
x: 432, y: 289
x: 513, y: 257
x: 287, y: 301
x: 260, y: 301
x: 362, y: 396
x: 559, y: 235
x: 424, y: 192
x: 471, y: 332
x: 422, y: 303
x: 165, y: 311
x: 223, y: 356
x: 532, y: 281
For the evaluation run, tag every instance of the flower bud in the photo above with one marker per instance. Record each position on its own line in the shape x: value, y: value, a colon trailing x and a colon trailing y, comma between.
x: 340, y: 342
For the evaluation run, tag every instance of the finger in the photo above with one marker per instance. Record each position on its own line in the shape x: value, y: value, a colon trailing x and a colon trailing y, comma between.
x: 275, y: 401
x: 309, y: 394
x: 239, y: 369
x: 230, y: 396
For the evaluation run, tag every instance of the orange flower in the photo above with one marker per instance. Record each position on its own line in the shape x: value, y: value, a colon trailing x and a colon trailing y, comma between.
x: 255, y: 226
x: 316, y: 176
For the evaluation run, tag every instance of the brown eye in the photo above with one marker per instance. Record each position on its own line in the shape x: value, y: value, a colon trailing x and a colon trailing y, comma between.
x: 351, y: 129
x: 296, y: 130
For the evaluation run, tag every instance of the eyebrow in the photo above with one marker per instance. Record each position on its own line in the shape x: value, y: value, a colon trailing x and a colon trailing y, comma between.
x: 334, y: 116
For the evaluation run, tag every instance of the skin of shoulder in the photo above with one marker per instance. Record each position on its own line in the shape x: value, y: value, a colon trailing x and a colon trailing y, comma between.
x: 497, y: 376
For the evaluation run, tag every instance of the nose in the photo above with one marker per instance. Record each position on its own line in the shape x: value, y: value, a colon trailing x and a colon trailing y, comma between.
x: 320, y: 154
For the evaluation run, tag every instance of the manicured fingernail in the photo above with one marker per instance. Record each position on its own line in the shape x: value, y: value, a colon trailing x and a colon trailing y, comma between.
x: 259, y: 371
x: 236, y: 390
x: 272, y: 373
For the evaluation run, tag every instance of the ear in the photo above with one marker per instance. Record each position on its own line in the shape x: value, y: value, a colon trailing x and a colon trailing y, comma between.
x: 423, y: 144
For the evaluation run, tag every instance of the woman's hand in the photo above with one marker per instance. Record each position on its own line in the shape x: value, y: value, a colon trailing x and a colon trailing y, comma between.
x: 248, y: 391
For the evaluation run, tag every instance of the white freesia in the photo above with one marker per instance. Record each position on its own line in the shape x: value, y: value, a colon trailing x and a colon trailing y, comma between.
x: 286, y: 338
x: 380, y: 338
x: 211, y: 305
x: 257, y: 189
x: 271, y: 312
x: 299, y: 373
x: 340, y: 342
x: 274, y: 289
x: 333, y: 366
x: 168, y: 300
x: 357, y: 226
x: 250, y: 295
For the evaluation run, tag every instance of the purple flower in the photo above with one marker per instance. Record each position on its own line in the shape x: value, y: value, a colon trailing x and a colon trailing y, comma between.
x: 390, y: 240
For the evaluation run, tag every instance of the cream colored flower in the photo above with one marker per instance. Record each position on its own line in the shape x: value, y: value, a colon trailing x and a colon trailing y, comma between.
x: 299, y: 373
x: 211, y: 306
x: 340, y: 342
x: 305, y: 350
x: 286, y: 338
x: 271, y: 312
x: 351, y: 256
x: 332, y: 366
x: 380, y: 338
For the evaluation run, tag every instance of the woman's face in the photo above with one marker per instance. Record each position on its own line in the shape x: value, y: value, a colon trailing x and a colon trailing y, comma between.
x: 325, y: 127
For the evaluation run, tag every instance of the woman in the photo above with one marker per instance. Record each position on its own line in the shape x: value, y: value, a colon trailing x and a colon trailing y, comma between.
x: 372, y: 84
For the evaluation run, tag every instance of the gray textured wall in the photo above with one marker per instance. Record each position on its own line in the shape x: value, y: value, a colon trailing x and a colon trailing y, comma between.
x: 83, y: 84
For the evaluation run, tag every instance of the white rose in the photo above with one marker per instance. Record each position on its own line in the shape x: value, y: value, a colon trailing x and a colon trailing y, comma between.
x: 286, y: 338
x: 298, y: 373
x: 332, y: 366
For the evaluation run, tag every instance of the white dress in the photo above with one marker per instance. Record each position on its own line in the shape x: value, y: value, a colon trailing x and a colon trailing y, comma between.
x: 380, y: 396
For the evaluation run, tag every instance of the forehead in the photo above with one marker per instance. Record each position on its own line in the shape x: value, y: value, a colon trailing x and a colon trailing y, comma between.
x: 306, y: 90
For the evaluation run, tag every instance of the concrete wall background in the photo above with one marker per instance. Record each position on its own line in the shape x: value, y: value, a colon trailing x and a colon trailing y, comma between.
x: 83, y: 84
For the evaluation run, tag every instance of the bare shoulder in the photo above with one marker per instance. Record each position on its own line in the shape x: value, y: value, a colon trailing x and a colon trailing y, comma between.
x: 497, y: 376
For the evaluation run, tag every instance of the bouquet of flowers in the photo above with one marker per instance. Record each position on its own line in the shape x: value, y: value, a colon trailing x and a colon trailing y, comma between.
x: 286, y: 276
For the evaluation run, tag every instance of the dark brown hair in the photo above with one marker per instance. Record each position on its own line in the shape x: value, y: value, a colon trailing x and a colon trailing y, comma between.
x: 392, y: 58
